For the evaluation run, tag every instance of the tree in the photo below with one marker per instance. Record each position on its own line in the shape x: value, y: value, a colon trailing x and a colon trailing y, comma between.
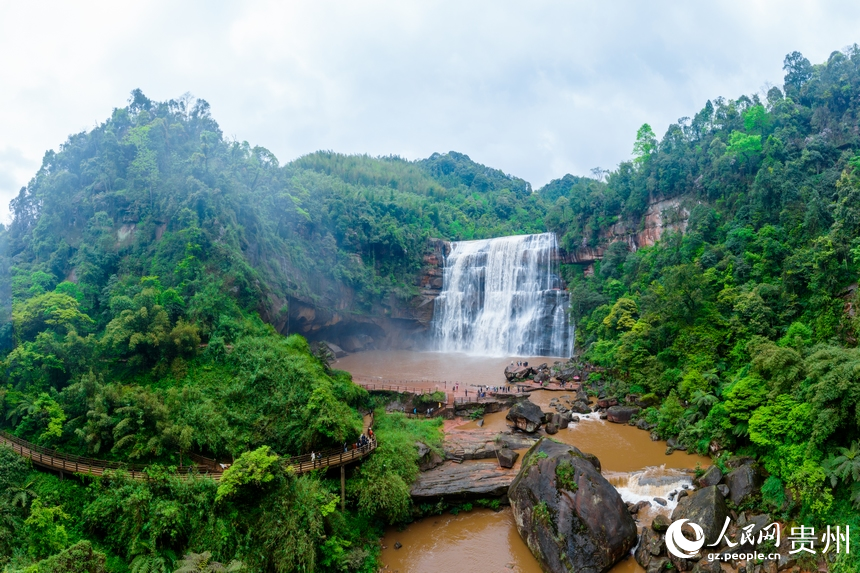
x: 798, y: 71
x: 645, y: 145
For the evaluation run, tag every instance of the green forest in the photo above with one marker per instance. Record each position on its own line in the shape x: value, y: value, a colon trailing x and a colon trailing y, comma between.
x: 145, y: 278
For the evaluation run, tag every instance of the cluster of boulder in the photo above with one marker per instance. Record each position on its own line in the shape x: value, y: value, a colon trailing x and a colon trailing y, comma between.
x: 528, y: 417
x: 708, y: 507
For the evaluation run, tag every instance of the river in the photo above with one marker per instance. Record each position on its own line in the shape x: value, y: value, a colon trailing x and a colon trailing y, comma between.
x: 484, y: 541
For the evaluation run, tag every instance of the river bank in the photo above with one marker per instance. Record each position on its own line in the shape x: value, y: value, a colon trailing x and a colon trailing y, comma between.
x: 482, y: 540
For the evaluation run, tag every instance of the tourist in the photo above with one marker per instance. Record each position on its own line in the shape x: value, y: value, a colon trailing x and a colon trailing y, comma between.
x: 313, y: 460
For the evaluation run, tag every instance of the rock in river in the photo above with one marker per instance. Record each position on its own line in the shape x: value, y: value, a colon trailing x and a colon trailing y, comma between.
x: 621, y: 414
x: 569, y: 515
x: 527, y: 416
x: 507, y: 457
x: 473, y: 480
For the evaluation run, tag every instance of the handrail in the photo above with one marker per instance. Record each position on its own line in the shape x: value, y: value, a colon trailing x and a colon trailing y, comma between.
x: 54, y: 459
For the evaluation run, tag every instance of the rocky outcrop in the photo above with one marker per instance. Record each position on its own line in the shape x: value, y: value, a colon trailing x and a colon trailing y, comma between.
x: 712, y: 476
x: 482, y: 444
x: 463, y: 481
x: 662, y: 215
x: 621, y: 414
x: 427, y: 458
x: 526, y: 416
x: 706, y: 508
x: 569, y: 515
x: 743, y: 482
x: 514, y: 372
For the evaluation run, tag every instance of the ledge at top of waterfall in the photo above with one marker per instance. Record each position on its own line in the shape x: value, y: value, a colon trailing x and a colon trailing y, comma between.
x: 503, y: 297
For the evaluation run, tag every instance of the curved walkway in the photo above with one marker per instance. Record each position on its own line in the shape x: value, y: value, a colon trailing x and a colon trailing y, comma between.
x: 58, y: 461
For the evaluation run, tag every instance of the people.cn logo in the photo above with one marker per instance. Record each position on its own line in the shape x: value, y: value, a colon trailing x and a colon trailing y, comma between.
x: 680, y: 546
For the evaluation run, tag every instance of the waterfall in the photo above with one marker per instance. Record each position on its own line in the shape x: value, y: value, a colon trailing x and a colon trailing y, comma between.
x: 503, y: 297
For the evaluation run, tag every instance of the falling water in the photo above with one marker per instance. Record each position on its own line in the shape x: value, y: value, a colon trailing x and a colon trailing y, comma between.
x: 503, y: 297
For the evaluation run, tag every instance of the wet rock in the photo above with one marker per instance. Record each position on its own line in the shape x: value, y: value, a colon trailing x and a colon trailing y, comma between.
x: 682, y: 494
x: 651, y: 551
x: 397, y: 545
x: 724, y: 489
x: 655, y: 437
x: 574, y: 419
x: 570, y: 516
x: 482, y: 444
x: 712, y: 476
x: 580, y: 407
x: 462, y: 481
x: 639, y: 506
x: 580, y: 396
x: 603, y: 416
x: 564, y: 422
x: 743, y: 482
x: 507, y: 457
x: 481, y: 423
x: 551, y: 429
x: 705, y: 507
x: 643, y: 424
x: 526, y: 416
x: 661, y: 523
x: 670, y: 450
x: 514, y: 373
x: 621, y: 414
x: 676, y: 445
x: 660, y: 501
x: 607, y: 403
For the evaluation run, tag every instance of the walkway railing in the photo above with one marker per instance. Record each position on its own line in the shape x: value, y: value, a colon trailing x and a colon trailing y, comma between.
x: 62, y: 462
x: 55, y: 460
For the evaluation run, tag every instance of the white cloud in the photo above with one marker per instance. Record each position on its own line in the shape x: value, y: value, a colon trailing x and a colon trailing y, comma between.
x: 536, y: 90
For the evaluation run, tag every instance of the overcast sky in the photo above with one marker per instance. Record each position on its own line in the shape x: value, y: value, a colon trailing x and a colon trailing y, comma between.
x: 537, y: 89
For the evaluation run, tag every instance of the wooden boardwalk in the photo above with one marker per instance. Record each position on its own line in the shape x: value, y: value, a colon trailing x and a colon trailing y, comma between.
x: 67, y: 463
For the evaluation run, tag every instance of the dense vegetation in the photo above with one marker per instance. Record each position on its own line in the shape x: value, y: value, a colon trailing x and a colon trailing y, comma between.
x: 150, y: 265
x: 746, y: 323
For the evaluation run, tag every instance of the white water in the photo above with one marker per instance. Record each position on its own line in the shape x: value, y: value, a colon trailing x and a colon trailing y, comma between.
x: 503, y: 297
x: 649, y: 483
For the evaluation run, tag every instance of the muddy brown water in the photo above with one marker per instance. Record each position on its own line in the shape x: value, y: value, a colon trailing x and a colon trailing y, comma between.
x: 485, y: 541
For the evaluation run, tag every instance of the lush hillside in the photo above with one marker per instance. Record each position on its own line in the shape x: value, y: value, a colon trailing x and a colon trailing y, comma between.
x: 151, y: 268
x: 746, y: 323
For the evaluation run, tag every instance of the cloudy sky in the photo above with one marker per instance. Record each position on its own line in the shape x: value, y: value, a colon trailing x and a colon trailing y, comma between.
x: 537, y: 89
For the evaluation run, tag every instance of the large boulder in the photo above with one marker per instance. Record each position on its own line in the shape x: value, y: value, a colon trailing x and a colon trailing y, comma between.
x: 580, y: 407
x: 514, y: 372
x: 527, y: 416
x: 621, y: 414
x: 712, y: 476
x: 427, y: 458
x: 707, y: 509
x: 743, y: 482
x: 569, y: 515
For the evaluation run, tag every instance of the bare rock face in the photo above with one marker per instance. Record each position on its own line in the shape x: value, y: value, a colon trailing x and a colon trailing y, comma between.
x: 569, y: 515
x: 527, y: 416
x: 462, y: 481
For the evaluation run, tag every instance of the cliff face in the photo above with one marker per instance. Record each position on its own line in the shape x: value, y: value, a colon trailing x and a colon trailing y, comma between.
x: 662, y: 215
x: 397, y: 323
x: 392, y: 323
